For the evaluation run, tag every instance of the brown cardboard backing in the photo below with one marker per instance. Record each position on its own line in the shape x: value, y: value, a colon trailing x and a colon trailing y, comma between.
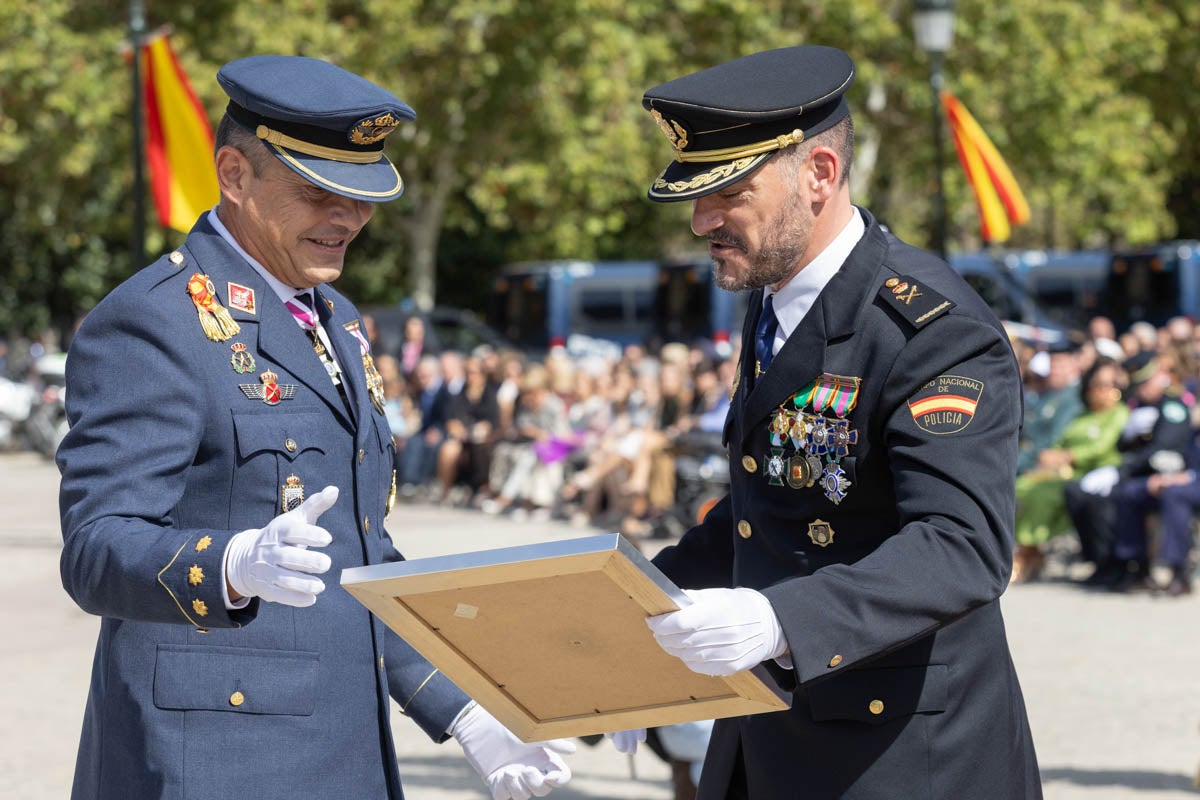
x: 554, y: 646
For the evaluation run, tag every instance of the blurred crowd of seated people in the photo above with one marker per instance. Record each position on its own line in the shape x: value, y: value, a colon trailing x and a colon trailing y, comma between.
x: 1107, y: 471
x: 591, y: 440
x: 1109, y: 456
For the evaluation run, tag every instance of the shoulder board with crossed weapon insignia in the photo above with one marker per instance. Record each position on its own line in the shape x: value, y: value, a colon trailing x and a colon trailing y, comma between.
x: 918, y: 304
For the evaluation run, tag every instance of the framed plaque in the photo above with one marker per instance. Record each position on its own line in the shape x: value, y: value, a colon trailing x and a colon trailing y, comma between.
x: 551, y: 638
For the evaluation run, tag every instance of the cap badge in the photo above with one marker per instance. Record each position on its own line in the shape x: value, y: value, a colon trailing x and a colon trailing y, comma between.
x: 292, y: 493
x: 271, y: 391
x: 372, y: 129
x: 214, y: 318
x: 676, y: 134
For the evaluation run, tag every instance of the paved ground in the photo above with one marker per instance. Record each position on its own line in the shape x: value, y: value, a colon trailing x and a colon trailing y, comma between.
x: 1111, y: 682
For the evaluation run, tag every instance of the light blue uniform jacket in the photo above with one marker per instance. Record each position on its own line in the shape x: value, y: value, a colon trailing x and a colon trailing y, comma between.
x: 168, y: 458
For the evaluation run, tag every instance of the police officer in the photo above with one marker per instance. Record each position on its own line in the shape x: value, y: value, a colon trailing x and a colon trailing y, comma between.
x: 1155, y: 443
x: 868, y: 532
x: 227, y: 448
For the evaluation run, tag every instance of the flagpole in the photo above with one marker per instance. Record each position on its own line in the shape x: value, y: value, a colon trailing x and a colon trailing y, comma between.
x: 137, y: 30
x: 936, y: 82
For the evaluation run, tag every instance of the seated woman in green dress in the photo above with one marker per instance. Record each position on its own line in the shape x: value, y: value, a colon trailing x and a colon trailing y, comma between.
x: 1090, y: 441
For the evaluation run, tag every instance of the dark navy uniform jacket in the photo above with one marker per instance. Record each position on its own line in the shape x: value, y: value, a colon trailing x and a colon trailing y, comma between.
x: 167, y: 458
x: 903, y: 685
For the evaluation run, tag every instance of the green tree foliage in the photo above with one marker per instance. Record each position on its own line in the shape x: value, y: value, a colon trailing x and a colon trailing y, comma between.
x: 531, y: 141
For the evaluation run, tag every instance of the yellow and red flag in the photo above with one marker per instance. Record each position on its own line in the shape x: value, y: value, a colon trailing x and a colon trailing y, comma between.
x: 179, y: 139
x: 997, y: 194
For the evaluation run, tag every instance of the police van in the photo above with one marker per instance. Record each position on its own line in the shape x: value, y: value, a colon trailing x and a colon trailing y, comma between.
x: 1008, y: 297
x: 541, y: 304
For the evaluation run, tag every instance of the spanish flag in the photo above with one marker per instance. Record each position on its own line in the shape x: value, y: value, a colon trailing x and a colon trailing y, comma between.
x: 179, y: 139
x: 997, y: 194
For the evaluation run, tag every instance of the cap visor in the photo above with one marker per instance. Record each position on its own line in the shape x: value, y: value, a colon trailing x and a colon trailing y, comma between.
x: 689, y: 181
x: 376, y: 182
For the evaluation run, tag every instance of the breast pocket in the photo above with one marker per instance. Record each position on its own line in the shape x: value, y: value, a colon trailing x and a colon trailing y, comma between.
x: 235, y: 679
x: 876, y: 696
x: 278, y: 457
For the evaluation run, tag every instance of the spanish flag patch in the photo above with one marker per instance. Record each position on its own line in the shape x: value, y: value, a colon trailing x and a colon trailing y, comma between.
x: 946, y: 404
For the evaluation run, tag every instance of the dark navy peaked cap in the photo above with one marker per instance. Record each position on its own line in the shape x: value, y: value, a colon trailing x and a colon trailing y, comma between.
x: 324, y: 123
x: 727, y: 121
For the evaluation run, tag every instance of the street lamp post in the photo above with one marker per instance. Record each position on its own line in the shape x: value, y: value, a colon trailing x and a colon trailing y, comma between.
x: 933, y: 29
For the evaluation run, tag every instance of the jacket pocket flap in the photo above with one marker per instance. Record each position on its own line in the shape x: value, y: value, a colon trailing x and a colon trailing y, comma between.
x: 287, y: 436
x: 879, y: 695
x: 190, y: 678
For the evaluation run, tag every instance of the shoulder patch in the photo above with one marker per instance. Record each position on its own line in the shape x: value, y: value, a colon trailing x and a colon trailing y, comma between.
x: 946, y: 404
x: 918, y: 304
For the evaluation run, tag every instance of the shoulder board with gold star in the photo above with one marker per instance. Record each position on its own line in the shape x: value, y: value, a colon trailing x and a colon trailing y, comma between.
x: 917, y: 303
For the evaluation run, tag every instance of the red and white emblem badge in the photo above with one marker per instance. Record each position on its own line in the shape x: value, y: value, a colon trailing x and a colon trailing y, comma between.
x: 242, y: 298
x: 271, y: 391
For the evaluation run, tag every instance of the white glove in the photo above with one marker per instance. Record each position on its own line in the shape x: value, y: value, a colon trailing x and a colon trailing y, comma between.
x: 723, y: 631
x: 627, y: 741
x: 1100, y: 481
x: 269, y: 562
x: 510, y: 767
x: 1141, y: 421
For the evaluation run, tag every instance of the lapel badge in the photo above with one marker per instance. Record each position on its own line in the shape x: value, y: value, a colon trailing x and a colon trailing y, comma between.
x: 773, y: 467
x: 214, y: 318
x: 292, y: 493
x: 820, y: 532
x: 271, y: 391
x: 241, y: 298
x: 834, y: 482
x: 242, y: 360
x: 737, y: 378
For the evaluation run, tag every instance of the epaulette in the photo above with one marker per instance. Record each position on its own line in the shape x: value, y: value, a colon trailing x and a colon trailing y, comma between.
x: 918, y: 304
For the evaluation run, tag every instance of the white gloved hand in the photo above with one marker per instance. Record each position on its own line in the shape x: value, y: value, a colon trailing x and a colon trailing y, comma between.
x: 510, y: 768
x: 1100, y: 481
x: 1141, y: 421
x: 270, y: 562
x: 723, y: 631
x: 627, y: 741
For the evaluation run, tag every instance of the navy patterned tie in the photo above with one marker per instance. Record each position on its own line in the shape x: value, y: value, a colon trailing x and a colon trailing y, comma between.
x: 764, y: 336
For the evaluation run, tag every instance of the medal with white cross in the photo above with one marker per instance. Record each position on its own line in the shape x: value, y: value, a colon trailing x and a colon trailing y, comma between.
x: 774, y: 467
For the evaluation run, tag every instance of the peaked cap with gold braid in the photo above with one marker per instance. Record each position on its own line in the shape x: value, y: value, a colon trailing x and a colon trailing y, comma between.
x: 727, y: 121
x: 325, y: 124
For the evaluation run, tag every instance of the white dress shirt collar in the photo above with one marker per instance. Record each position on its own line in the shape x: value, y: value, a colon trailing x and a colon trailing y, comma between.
x: 796, y: 298
x: 280, y: 288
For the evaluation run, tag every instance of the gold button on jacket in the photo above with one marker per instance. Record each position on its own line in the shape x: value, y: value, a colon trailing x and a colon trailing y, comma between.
x: 876, y: 707
x: 837, y: 659
x: 749, y: 464
x: 744, y: 529
x: 236, y: 699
